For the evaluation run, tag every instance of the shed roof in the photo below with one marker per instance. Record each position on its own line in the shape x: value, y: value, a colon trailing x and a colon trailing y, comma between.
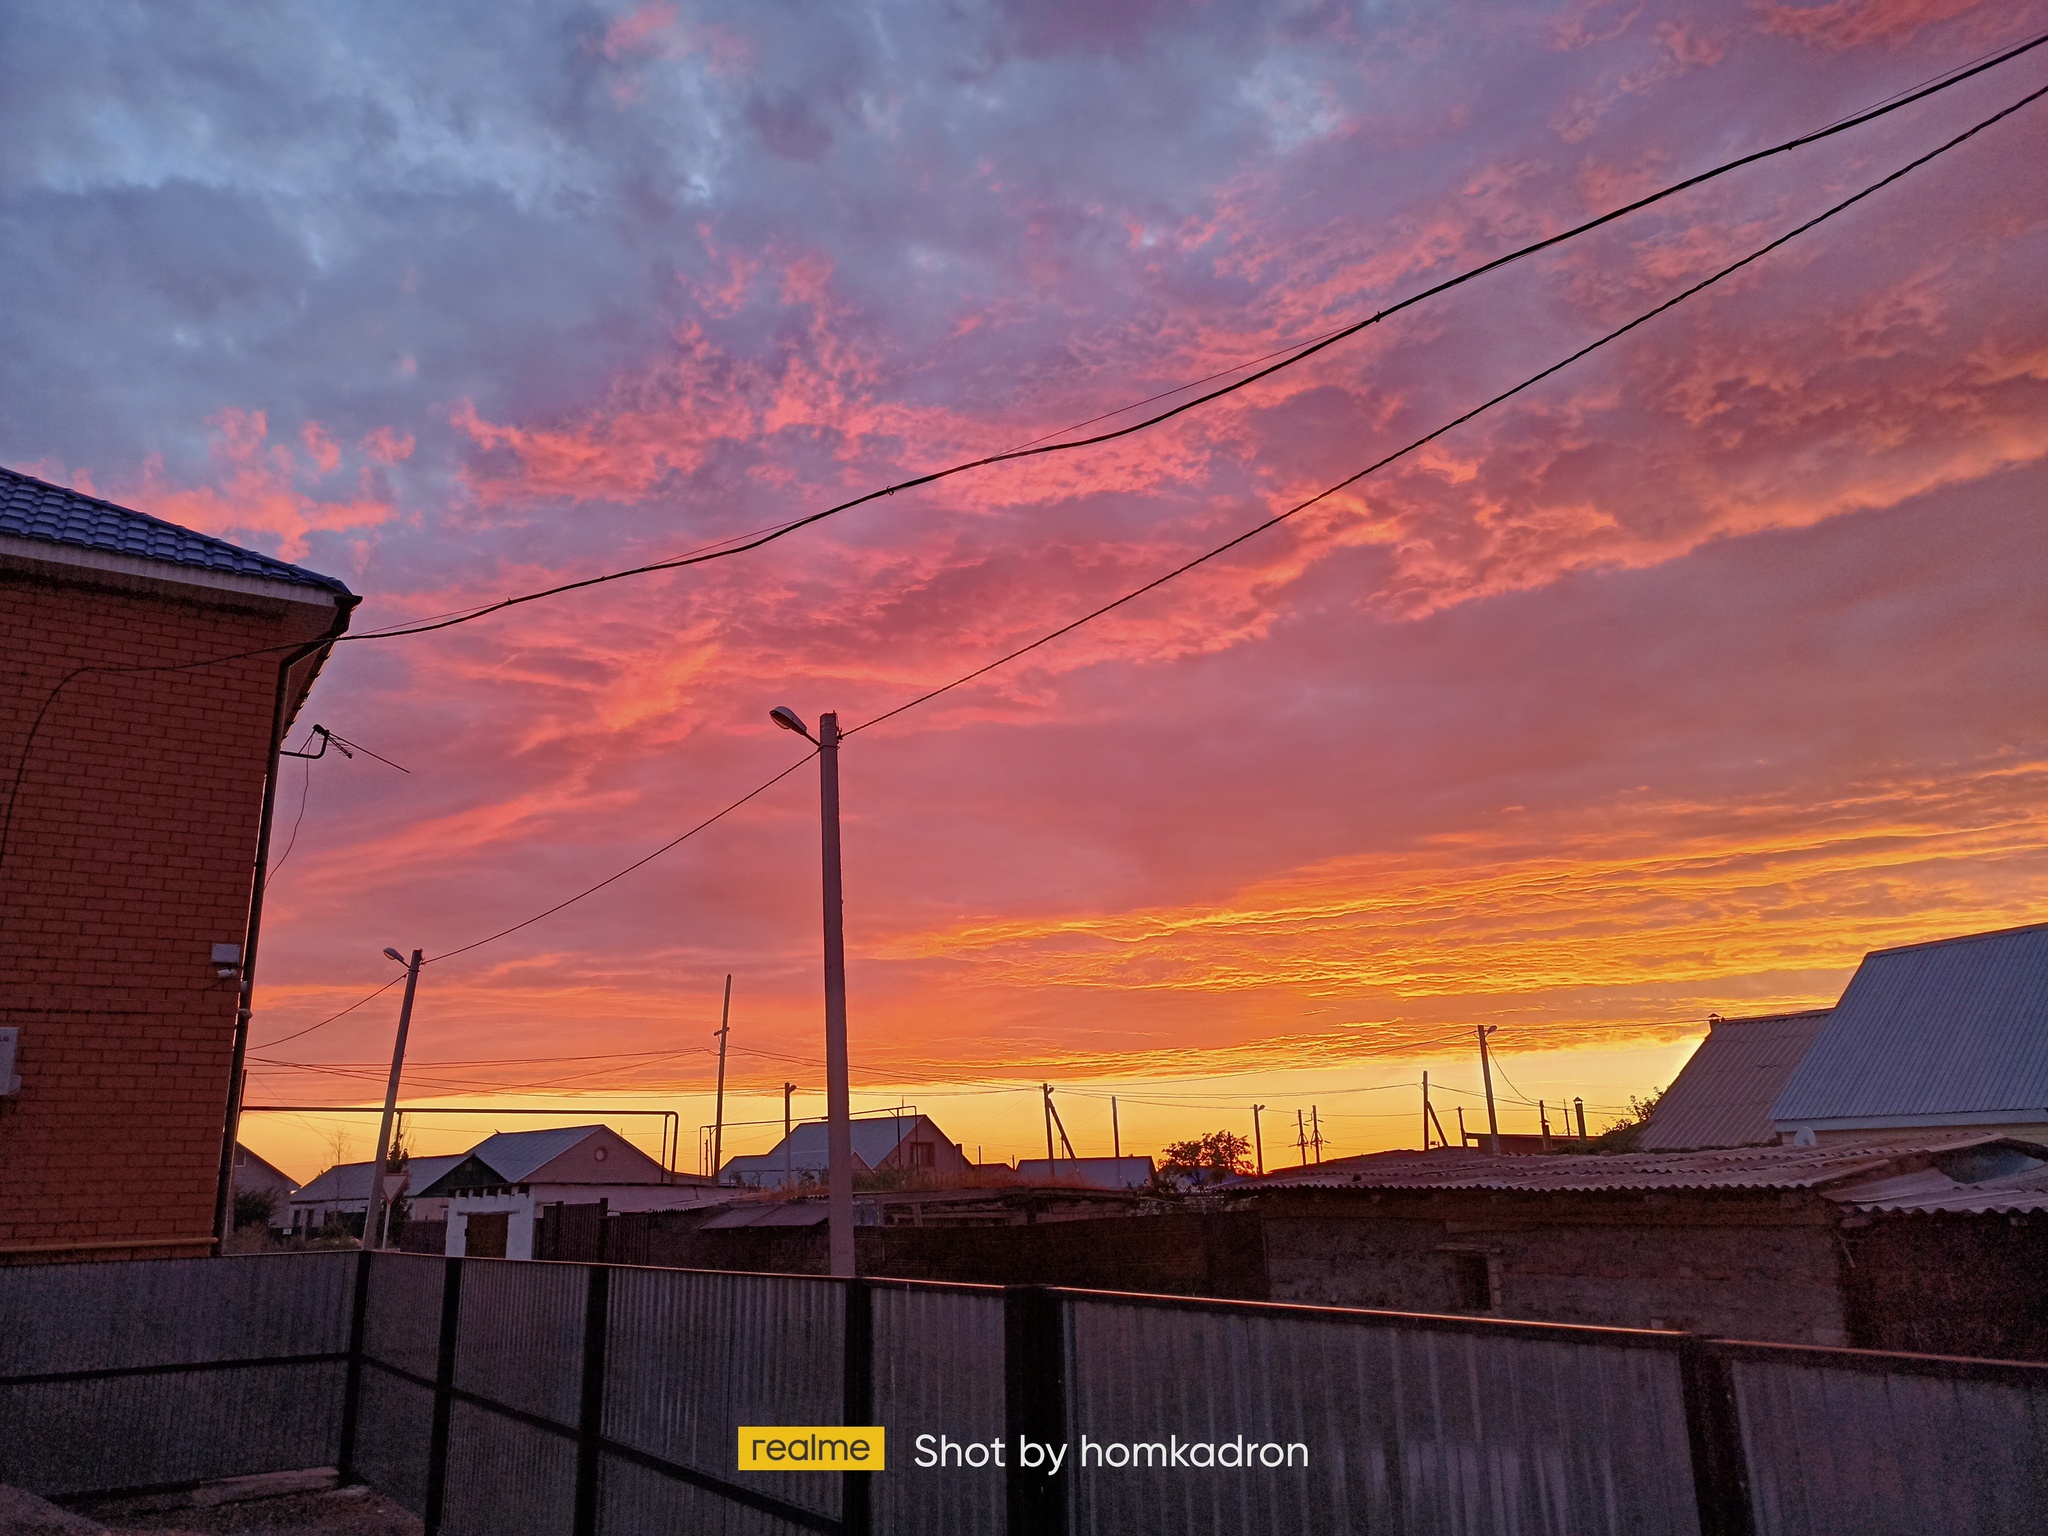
x: 1723, y: 1096
x: 516, y: 1154
x: 1954, y: 1027
x: 53, y: 514
x: 1748, y: 1168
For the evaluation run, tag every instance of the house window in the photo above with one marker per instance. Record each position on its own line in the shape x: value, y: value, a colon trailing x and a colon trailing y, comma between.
x: 1471, y: 1282
x: 923, y: 1155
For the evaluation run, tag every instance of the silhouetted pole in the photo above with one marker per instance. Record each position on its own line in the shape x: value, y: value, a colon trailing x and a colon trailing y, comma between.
x: 1116, y: 1136
x: 1258, y: 1140
x: 718, y: 1114
x: 1486, y: 1072
x: 1046, y: 1089
x: 838, y: 1107
x: 1425, y: 1111
x: 788, y: 1167
x: 370, y: 1211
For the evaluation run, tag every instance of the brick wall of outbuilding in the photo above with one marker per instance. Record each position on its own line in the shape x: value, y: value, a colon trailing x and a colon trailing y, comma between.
x: 131, y: 853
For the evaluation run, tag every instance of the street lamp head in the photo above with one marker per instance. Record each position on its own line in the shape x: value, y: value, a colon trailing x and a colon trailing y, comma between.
x: 789, y: 720
x: 394, y: 954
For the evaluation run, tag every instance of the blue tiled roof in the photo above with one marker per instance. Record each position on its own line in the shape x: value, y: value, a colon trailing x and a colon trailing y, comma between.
x: 34, y: 509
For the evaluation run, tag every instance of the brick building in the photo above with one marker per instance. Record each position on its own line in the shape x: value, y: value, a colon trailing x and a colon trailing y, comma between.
x: 134, y: 759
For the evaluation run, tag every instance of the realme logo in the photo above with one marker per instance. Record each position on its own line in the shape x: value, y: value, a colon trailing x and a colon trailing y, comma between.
x: 823, y: 1448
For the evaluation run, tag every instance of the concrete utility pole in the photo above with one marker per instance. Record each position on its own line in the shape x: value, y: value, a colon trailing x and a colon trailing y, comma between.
x: 1486, y: 1073
x: 1425, y: 1111
x: 373, y: 1209
x: 1300, y: 1137
x: 1116, y: 1135
x: 1258, y: 1140
x: 1315, y: 1132
x: 788, y: 1170
x: 838, y: 1096
x: 718, y: 1113
x: 1579, y: 1108
x: 1046, y: 1090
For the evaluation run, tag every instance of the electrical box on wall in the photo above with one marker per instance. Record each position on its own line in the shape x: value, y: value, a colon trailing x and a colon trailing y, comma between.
x: 9, y: 1083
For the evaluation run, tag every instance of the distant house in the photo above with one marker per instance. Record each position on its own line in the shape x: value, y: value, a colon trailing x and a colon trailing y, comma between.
x: 1948, y: 1035
x: 343, y: 1193
x: 494, y: 1194
x: 254, y: 1176
x: 910, y: 1143
x: 1723, y: 1097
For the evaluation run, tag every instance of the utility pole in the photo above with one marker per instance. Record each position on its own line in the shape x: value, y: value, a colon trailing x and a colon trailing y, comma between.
x: 838, y: 1097
x: 1116, y: 1135
x: 1301, y: 1137
x: 1425, y: 1111
x: 372, y: 1210
x: 788, y: 1170
x: 1486, y: 1073
x: 1258, y: 1141
x: 1316, y: 1127
x: 718, y: 1114
x: 1046, y: 1090
x: 1543, y: 1119
x: 1579, y: 1106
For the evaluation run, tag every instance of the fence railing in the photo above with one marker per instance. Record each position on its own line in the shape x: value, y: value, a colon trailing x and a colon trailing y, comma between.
x: 504, y: 1398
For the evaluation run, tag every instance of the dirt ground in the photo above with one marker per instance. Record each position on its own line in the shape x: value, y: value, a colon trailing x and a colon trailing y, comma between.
x: 340, y: 1512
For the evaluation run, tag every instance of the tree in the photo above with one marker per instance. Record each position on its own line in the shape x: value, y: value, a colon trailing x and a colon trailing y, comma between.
x: 1217, y: 1152
x: 255, y: 1208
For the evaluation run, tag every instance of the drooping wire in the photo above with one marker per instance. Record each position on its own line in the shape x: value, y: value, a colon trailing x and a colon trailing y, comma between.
x: 1429, y: 437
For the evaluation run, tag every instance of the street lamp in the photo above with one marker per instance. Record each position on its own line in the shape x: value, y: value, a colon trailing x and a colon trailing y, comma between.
x: 838, y: 1109
x: 371, y: 1210
x: 1486, y: 1073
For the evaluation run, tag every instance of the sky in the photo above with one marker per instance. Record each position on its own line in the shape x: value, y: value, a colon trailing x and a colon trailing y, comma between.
x: 1668, y: 688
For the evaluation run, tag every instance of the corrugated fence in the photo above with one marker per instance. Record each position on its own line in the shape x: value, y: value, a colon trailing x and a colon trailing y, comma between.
x: 502, y: 1399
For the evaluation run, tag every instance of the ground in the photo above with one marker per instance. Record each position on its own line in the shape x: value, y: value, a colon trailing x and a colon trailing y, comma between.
x: 340, y: 1512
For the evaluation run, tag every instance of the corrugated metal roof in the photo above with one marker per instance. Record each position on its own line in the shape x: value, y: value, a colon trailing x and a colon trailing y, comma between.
x: 1785, y: 1168
x: 1723, y: 1097
x: 1958, y: 1026
x: 2008, y: 1178
x: 351, y: 1181
x: 873, y: 1140
x: 52, y: 514
x: 515, y: 1154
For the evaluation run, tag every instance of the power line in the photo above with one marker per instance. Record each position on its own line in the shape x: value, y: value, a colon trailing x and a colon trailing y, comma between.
x: 1457, y: 421
x: 746, y: 543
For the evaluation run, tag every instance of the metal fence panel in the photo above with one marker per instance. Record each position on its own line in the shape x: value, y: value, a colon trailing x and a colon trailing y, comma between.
x: 1836, y: 1451
x: 938, y: 1371
x: 164, y: 1424
x: 1454, y: 1431
x: 402, y: 1323
x: 394, y: 1435
x: 506, y: 1478
x: 519, y: 1340
x: 84, y: 1317
x: 635, y: 1501
x: 690, y: 1357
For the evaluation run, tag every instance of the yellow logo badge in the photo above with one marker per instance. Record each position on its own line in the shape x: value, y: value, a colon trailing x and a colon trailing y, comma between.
x: 811, y: 1448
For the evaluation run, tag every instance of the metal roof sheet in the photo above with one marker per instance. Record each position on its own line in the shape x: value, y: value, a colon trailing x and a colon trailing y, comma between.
x: 1958, y: 1026
x: 515, y: 1154
x: 52, y: 514
x: 1761, y: 1168
x: 873, y: 1140
x: 2014, y: 1180
x: 1723, y: 1096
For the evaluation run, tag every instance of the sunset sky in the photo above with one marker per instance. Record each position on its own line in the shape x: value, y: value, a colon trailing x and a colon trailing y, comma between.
x: 1669, y: 688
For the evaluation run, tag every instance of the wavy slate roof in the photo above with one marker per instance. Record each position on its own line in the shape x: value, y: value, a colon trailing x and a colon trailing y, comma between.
x: 1763, y: 1168
x: 51, y: 514
x: 873, y: 1140
x: 1723, y: 1096
x: 1955, y: 1027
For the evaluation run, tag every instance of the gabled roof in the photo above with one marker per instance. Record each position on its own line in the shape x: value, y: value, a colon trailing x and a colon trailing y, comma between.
x: 1723, y: 1097
x: 351, y: 1181
x: 519, y: 1155
x: 50, y: 514
x: 873, y: 1140
x: 1955, y: 1027
x: 247, y: 1162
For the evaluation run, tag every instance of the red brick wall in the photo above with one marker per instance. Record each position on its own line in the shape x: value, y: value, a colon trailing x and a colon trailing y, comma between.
x: 131, y: 854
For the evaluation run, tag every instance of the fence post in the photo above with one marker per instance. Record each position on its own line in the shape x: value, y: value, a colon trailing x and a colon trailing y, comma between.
x: 856, y: 1489
x: 352, y: 1389
x: 444, y: 1399
x: 590, y: 1423
x: 1035, y: 1408
x: 1713, y: 1426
